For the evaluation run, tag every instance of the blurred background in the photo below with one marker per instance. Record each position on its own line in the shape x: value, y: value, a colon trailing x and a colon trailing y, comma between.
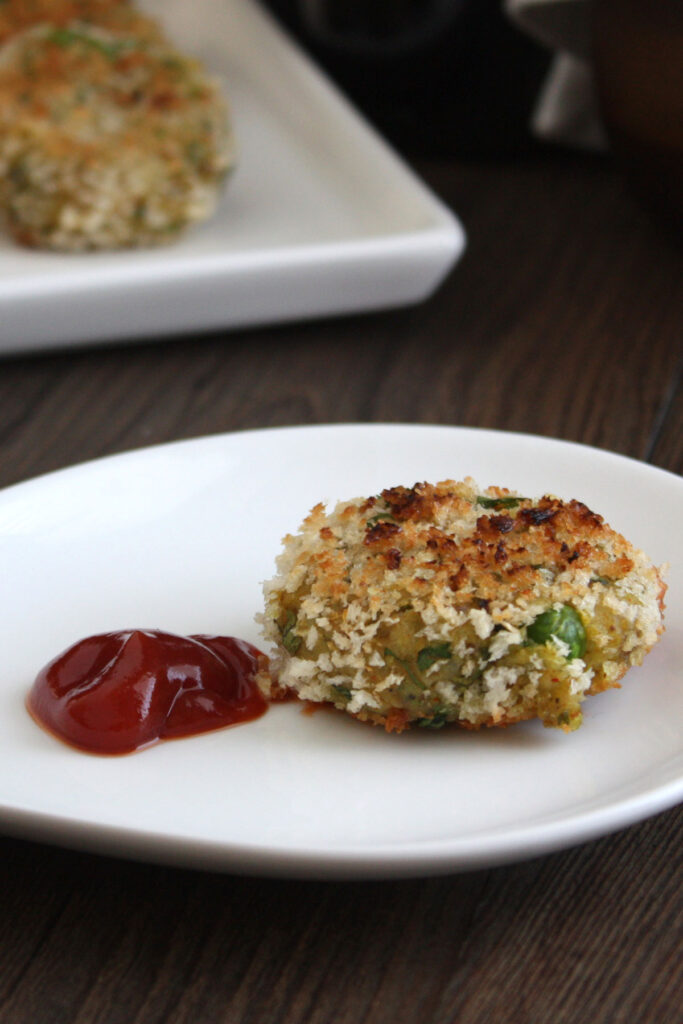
x: 437, y: 77
x: 461, y: 78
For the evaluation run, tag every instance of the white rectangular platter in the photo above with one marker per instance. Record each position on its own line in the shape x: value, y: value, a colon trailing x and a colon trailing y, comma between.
x: 320, y: 217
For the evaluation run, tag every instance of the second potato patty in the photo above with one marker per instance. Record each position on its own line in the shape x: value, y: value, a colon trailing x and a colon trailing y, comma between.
x: 106, y: 140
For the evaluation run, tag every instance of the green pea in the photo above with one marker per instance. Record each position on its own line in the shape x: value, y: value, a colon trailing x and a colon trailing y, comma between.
x: 563, y: 623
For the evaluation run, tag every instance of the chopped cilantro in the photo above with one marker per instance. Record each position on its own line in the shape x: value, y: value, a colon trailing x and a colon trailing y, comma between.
x: 428, y: 655
x: 381, y: 517
x: 290, y: 640
x: 436, y: 721
x: 497, y: 503
x: 406, y: 668
x: 67, y: 36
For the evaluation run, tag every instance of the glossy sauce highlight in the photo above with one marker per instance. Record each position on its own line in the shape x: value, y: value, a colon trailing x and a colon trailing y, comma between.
x: 118, y: 692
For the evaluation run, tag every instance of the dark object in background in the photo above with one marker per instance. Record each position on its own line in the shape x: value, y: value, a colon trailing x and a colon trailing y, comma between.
x: 638, y: 50
x: 437, y: 77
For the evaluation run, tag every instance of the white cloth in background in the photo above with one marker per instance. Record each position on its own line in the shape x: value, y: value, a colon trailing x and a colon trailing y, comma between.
x: 566, y: 109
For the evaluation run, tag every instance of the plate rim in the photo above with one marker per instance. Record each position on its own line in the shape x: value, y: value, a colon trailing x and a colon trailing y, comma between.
x: 406, y: 860
x: 351, y: 425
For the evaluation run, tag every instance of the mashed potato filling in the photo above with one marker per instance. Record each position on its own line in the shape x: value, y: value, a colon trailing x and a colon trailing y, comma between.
x: 445, y: 603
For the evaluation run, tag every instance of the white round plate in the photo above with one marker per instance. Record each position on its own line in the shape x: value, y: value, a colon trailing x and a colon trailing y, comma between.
x: 180, y: 538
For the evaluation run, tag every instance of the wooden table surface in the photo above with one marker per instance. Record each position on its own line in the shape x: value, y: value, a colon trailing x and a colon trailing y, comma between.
x: 564, y: 319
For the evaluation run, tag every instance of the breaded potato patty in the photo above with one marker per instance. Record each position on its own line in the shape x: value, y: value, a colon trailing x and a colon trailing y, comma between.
x: 106, y: 139
x: 117, y: 15
x: 444, y: 603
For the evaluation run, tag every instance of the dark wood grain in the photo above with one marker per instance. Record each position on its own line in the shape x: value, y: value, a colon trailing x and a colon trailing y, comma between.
x: 564, y: 319
x: 589, y: 934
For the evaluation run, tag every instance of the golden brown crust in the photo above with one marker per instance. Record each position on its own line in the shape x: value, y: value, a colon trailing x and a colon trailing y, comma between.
x: 116, y: 15
x: 505, y: 549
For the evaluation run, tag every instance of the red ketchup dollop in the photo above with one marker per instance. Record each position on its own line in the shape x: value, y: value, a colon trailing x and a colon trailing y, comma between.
x: 118, y: 692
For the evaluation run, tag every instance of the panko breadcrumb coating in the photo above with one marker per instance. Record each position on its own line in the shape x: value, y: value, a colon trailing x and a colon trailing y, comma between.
x: 116, y: 15
x: 106, y: 139
x: 445, y: 603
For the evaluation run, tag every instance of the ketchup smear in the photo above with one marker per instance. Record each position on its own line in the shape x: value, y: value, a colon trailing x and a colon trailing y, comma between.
x: 118, y: 692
